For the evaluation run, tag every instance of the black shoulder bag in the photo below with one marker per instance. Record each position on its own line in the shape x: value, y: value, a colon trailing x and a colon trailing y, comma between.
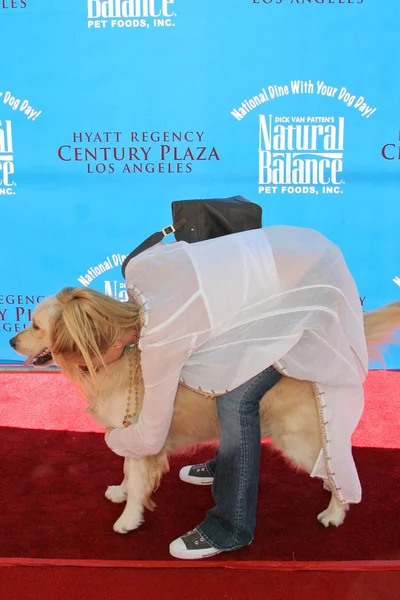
x: 198, y: 220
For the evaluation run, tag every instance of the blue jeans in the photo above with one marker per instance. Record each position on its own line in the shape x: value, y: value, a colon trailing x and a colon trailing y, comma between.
x: 231, y: 523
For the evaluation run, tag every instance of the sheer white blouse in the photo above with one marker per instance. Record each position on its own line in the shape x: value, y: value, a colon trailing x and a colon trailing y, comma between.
x: 218, y: 312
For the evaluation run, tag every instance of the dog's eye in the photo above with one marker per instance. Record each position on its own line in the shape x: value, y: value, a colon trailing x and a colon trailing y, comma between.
x: 35, y: 327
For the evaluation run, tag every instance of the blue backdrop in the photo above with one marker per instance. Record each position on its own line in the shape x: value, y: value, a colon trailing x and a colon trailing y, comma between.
x: 109, y: 110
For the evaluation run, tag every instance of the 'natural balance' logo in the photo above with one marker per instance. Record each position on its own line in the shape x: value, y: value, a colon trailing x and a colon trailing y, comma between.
x: 7, y: 183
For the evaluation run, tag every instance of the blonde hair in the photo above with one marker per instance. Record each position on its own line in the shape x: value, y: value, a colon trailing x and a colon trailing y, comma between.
x: 86, y: 323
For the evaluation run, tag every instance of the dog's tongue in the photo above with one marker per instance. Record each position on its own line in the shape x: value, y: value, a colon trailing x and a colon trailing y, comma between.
x: 28, y: 360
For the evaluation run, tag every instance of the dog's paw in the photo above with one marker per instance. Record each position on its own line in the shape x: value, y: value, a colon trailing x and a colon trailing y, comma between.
x: 116, y: 493
x: 332, y: 516
x: 128, y: 522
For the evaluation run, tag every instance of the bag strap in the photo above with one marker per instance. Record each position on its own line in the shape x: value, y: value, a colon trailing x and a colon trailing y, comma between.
x: 152, y: 240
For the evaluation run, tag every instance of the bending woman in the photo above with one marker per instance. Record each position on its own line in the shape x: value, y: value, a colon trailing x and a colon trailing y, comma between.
x: 228, y: 316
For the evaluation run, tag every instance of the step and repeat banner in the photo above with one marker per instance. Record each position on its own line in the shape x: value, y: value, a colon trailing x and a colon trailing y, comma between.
x: 112, y: 109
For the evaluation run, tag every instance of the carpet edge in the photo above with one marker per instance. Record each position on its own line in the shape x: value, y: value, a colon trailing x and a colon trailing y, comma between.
x: 356, y: 565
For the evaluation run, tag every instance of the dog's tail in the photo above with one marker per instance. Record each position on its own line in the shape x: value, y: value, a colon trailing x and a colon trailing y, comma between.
x: 380, y: 329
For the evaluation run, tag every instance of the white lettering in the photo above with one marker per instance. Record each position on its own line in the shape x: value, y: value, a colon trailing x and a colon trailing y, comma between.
x: 6, y: 159
x: 300, y: 154
x: 129, y: 8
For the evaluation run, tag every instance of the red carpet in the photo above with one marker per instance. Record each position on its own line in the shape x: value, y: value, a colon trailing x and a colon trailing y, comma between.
x: 194, y: 584
x: 54, y: 471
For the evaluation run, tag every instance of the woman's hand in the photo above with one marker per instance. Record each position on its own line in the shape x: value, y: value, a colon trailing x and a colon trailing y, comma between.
x: 119, y: 431
x: 110, y: 429
x: 107, y: 433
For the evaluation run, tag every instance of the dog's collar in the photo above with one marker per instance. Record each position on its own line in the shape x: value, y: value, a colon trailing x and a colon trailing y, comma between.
x: 126, y: 348
x: 84, y: 368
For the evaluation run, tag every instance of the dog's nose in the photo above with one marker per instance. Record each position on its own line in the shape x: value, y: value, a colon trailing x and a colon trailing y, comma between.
x: 13, y: 342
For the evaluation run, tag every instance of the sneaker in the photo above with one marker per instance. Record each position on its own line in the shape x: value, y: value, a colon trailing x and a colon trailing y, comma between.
x: 192, y: 546
x: 196, y: 474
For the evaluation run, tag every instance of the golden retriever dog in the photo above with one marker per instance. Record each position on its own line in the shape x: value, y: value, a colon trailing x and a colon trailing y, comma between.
x: 289, y: 415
